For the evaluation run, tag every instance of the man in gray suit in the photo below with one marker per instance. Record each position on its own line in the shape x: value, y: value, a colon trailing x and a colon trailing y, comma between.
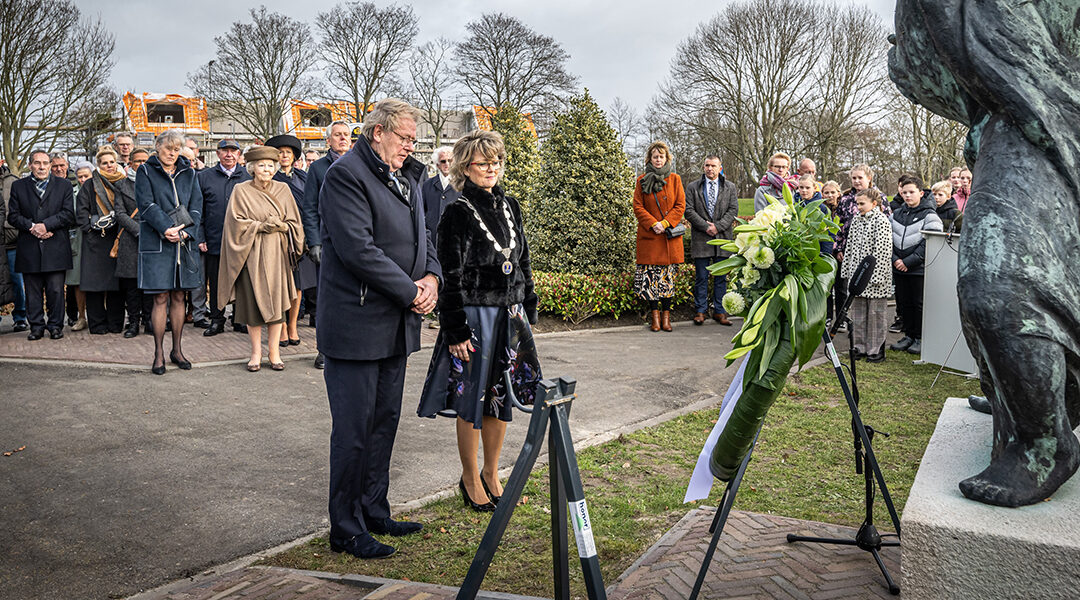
x: 711, y: 208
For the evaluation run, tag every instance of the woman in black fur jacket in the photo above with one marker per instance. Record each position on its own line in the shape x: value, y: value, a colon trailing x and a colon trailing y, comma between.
x: 485, y: 308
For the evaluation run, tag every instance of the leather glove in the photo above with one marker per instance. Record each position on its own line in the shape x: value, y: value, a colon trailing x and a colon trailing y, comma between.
x: 315, y: 254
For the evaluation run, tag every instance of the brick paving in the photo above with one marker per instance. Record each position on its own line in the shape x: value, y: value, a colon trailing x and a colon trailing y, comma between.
x: 114, y: 349
x: 753, y: 561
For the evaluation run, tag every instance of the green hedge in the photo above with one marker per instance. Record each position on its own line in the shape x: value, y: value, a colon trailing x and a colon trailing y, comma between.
x: 575, y: 298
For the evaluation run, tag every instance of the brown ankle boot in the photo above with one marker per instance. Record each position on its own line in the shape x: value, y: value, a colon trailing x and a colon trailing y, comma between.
x: 665, y: 320
x: 654, y: 320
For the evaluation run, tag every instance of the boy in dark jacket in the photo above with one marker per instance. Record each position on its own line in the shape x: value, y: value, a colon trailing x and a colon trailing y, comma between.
x: 909, y: 255
x: 945, y: 204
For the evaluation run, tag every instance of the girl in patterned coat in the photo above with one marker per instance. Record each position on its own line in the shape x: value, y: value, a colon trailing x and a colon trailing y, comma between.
x: 870, y: 234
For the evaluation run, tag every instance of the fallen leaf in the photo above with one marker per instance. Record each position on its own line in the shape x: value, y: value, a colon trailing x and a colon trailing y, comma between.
x: 442, y: 530
x: 427, y: 536
x: 315, y: 554
x: 7, y: 454
x: 625, y: 465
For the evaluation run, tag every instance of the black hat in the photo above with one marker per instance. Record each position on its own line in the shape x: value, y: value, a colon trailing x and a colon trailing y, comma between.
x: 227, y: 143
x: 286, y: 141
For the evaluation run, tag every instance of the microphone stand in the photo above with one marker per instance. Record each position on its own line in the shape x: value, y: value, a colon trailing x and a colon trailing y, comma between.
x: 866, y: 464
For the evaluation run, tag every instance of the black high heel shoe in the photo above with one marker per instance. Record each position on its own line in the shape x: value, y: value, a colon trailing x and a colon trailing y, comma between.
x: 158, y: 369
x: 487, y: 490
x: 183, y: 364
x: 486, y: 507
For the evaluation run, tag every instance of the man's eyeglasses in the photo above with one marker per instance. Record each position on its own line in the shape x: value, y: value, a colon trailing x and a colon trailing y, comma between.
x: 405, y: 141
x: 487, y: 166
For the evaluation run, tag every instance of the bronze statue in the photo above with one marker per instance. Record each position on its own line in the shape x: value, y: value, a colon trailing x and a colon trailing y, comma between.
x: 1010, y: 70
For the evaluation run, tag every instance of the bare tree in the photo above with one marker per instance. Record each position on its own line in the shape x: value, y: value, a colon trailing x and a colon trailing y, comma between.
x: 928, y: 145
x: 54, y: 67
x: 504, y: 62
x: 363, y: 45
x: 758, y: 78
x: 432, y: 83
x: 260, y: 67
x: 626, y: 122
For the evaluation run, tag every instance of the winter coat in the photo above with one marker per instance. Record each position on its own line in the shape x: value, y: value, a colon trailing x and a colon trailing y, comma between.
x: 97, y: 272
x: 10, y: 233
x: 870, y: 235
x: 265, y: 253
x: 436, y: 199
x: 723, y: 217
x: 472, y: 268
x: 760, y: 201
x: 825, y: 247
x: 947, y: 212
x: 666, y: 205
x: 217, y: 188
x: 846, y: 211
x: 127, y: 255
x: 156, y: 194
x: 374, y: 248
x: 909, y: 245
x: 309, y: 212
x: 7, y: 288
x: 296, y: 182
x: 54, y: 211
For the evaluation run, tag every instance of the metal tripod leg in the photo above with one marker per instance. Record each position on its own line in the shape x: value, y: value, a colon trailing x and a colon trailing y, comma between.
x: 722, y: 512
x: 566, y: 459
x: 515, y: 485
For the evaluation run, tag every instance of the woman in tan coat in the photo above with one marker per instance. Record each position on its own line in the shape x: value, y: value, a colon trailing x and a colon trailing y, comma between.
x: 261, y: 242
x: 659, y: 202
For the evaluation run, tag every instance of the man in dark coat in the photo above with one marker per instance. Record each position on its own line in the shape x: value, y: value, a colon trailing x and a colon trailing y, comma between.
x: 217, y: 184
x: 339, y: 141
x: 375, y: 283
x: 41, y: 207
x: 437, y: 191
x: 10, y: 234
x: 711, y: 207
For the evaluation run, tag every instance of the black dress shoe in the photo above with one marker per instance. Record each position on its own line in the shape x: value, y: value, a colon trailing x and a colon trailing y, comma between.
x: 485, y: 507
x: 282, y: 343
x: 487, y: 490
x: 392, y: 527
x: 56, y: 334
x: 239, y: 328
x: 36, y: 335
x: 20, y: 326
x: 320, y: 362
x: 148, y: 328
x: 158, y: 370
x: 131, y: 331
x: 201, y: 323
x: 183, y: 364
x: 215, y: 328
x: 362, y: 546
x: 904, y: 343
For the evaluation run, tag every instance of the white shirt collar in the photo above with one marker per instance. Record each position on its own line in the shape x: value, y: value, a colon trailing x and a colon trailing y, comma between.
x: 444, y: 181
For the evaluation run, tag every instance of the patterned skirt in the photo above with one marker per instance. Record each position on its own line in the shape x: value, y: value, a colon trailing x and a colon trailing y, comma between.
x: 502, y: 340
x: 653, y: 282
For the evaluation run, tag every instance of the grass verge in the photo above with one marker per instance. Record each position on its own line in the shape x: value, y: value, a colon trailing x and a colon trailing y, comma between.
x: 803, y: 467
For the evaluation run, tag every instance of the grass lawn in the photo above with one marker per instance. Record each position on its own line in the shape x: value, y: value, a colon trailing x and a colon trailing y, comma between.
x: 802, y: 468
x: 746, y: 206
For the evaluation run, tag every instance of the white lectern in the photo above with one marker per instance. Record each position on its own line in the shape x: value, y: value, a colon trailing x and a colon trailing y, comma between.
x: 943, y: 341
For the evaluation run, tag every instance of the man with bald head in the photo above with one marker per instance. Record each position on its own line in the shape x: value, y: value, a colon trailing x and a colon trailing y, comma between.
x: 807, y: 167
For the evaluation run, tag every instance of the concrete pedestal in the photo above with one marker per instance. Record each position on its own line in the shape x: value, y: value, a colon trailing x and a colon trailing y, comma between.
x: 957, y: 548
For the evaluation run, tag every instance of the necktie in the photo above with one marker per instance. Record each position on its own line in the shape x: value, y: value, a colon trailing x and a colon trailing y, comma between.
x: 710, y: 200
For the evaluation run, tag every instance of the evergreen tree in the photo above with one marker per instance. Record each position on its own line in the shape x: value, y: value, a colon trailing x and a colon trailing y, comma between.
x: 583, y: 220
x: 522, y: 157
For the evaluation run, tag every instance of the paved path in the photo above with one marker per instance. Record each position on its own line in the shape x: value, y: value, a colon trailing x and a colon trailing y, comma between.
x: 753, y: 561
x: 129, y: 481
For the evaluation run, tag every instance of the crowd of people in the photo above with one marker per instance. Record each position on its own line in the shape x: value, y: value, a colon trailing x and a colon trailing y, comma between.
x: 366, y: 244
x: 890, y: 231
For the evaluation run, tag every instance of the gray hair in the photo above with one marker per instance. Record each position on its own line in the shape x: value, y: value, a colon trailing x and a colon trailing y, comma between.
x: 388, y: 113
x: 341, y: 122
x: 441, y: 151
x: 83, y: 165
x: 121, y: 134
x: 169, y: 138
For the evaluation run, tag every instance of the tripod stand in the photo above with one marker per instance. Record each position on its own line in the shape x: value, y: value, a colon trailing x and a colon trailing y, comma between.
x: 867, y: 538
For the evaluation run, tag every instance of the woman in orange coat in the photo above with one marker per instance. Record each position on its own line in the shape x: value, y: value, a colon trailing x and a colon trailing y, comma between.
x: 659, y: 203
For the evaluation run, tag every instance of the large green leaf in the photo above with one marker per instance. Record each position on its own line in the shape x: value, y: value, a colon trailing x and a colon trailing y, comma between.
x: 727, y: 265
x: 808, y: 330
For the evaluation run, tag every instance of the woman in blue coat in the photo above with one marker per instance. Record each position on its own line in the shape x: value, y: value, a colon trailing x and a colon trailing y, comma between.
x: 170, y: 206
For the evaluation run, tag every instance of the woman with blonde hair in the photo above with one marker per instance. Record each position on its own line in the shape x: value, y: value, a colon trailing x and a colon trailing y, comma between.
x: 486, y: 306
x: 659, y: 203
x: 260, y: 244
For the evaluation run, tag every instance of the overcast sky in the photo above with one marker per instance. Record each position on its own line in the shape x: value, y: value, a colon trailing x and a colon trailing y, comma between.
x: 617, y: 47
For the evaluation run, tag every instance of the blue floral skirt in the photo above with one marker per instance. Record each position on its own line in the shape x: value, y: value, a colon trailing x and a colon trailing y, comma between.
x: 502, y: 339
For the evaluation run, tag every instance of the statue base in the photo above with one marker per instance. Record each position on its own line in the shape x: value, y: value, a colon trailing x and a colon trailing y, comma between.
x: 958, y: 548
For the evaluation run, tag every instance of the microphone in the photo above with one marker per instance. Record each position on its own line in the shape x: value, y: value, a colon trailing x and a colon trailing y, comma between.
x: 857, y: 285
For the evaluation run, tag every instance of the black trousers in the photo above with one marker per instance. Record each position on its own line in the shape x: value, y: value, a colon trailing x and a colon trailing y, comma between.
x: 909, y: 296
x: 133, y: 299
x: 311, y: 298
x: 365, y: 403
x: 213, y: 264
x: 72, y: 302
x: 44, y: 289
x: 105, y: 311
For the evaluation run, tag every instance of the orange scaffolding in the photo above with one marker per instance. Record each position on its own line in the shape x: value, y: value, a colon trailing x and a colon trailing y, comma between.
x: 483, y: 118
x: 155, y: 113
